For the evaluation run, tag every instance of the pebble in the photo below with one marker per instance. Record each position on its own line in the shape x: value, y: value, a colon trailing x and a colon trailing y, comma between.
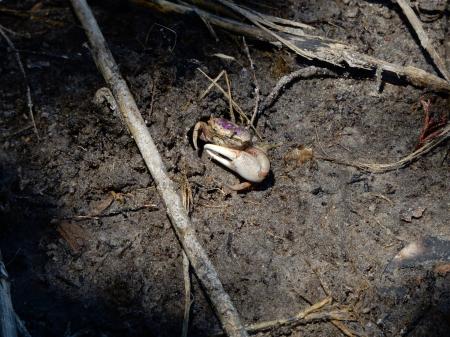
x: 352, y: 12
x: 386, y: 14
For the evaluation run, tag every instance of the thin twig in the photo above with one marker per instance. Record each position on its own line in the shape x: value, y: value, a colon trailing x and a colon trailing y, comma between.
x: 255, y: 81
x: 152, y: 99
x: 306, y: 316
x: 262, y: 326
x: 325, y: 316
x: 177, y: 214
x: 289, y: 78
x: 150, y: 207
x: 344, y: 329
x: 17, y: 132
x: 24, y: 75
x: 34, y: 15
x: 423, y: 37
x: 319, y: 142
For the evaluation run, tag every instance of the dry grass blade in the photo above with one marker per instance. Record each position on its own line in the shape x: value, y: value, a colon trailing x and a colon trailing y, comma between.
x: 208, y: 26
x: 282, y: 21
x: 212, y: 84
x: 256, y: 20
x: 217, y: 8
x: 227, y: 96
x: 235, y: 105
x: 382, y: 168
x: 255, y: 82
x: 230, y: 98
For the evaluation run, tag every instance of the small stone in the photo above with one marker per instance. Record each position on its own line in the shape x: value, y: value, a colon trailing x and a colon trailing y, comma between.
x: 386, y: 14
x: 352, y: 12
x: 317, y: 190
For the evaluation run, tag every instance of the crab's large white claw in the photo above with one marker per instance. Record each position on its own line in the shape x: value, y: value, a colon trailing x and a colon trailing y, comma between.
x: 251, y: 164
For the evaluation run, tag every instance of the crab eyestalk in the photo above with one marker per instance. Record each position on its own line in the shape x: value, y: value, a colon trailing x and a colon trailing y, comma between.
x: 251, y: 164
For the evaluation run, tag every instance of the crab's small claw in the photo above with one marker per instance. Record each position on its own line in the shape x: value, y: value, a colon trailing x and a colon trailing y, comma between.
x: 251, y: 164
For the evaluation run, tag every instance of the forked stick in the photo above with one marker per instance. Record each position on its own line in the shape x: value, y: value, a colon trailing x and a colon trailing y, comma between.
x: 178, y: 215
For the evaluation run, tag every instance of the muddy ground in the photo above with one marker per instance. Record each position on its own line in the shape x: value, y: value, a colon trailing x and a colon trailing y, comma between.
x: 310, y: 230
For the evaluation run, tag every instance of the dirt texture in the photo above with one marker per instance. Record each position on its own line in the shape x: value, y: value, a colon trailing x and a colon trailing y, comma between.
x: 84, y: 233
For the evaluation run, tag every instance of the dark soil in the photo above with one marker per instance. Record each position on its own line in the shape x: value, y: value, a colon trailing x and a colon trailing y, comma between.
x: 308, y: 230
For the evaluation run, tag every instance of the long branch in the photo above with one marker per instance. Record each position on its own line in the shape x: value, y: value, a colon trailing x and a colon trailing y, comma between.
x: 8, y: 326
x: 177, y: 213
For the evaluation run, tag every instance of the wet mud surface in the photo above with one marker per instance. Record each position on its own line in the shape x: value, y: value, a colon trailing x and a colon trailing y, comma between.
x: 84, y: 233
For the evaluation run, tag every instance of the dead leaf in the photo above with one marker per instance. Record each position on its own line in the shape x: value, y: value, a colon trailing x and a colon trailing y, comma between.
x: 74, y: 235
x: 442, y: 269
x: 411, y: 251
x: 37, y: 6
x: 97, y: 207
x: 425, y: 251
x: 118, y: 197
x: 301, y: 154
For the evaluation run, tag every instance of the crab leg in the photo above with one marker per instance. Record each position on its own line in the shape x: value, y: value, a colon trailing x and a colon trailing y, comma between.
x: 200, y: 126
x: 251, y: 164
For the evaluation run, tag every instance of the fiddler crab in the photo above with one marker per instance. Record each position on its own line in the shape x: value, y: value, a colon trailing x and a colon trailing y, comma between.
x: 231, y: 145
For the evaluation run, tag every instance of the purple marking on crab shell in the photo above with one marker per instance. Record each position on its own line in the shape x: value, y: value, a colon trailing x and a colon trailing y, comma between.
x: 226, y: 124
